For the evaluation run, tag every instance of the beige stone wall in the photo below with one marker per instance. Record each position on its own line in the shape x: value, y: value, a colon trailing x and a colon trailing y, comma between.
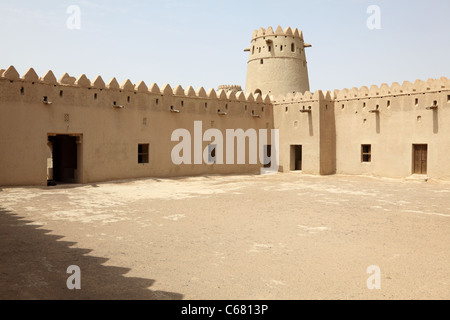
x: 330, y: 127
x: 109, y: 136
x: 392, y: 131
x: 340, y: 122
x: 300, y: 128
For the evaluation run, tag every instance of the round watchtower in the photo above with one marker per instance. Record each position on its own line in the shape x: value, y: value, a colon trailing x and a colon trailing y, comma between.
x: 277, y: 63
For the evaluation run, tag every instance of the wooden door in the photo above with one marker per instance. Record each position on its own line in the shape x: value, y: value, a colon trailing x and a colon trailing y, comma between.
x: 420, y: 158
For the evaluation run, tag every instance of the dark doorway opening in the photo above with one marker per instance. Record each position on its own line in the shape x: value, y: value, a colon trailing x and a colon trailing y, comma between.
x: 296, y: 158
x: 267, y: 156
x: 420, y: 158
x: 65, y: 158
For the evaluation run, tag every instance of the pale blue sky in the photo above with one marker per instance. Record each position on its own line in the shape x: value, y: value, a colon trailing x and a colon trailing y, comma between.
x: 201, y: 42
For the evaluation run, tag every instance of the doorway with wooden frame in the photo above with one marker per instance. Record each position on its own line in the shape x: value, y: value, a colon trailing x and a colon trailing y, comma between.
x: 420, y: 158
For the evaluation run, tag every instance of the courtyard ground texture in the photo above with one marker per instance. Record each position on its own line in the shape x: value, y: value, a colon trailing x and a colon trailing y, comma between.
x: 285, y: 236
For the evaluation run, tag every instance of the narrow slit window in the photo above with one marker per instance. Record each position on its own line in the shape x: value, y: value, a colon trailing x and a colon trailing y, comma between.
x: 293, y: 47
x: 262, y: 61
x: 366, y: 153
x: 22, y: 91
x: 143, y: 150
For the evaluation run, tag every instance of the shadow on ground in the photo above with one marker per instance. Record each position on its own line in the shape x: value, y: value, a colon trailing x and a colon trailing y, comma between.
x: 33, y: 265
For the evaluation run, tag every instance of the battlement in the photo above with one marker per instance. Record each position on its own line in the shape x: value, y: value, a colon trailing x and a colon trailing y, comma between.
x: 288, y: 32
x: 305, y: 97
x: 235, y: 88
x: 395, y: 89
x: 230, y: 93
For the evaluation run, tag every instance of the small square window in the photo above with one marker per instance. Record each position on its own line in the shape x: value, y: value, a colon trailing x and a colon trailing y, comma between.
x: 143, y: 153
x: 366, y: 153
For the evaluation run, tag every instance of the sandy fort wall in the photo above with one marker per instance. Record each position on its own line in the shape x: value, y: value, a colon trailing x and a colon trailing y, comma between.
x: 110, y: 120
x: 391, y: 119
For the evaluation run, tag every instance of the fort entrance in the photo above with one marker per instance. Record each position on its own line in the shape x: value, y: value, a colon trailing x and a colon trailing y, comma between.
x: 65, y: 156
x: 296, y: 158
x: 420, y: 158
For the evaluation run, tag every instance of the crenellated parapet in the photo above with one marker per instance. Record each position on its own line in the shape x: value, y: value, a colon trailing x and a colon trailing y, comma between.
x: 226, y: 88
x: 230, y: 93
x: 395, y: 89
x: 288, y: 32
x: 305, y: 97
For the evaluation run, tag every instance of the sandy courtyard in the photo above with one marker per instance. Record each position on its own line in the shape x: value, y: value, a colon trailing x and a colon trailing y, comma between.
x: 288, y: 236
